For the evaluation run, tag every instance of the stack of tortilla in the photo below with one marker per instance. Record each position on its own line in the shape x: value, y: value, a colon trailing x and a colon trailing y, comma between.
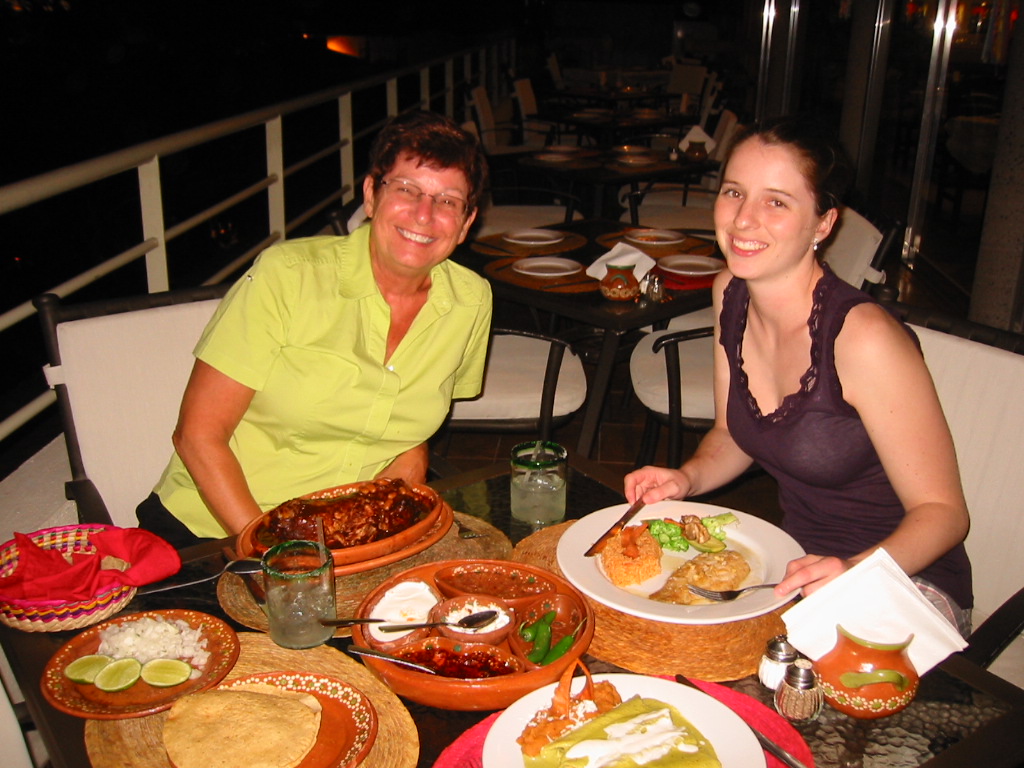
x: 246, y: 726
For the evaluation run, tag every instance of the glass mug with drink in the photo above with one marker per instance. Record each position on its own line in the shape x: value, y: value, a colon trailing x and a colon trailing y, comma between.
x: 298, y: 577
x: 538, y: 482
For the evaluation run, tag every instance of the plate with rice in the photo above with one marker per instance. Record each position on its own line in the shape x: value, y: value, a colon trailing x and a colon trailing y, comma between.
x: 208, y: 644
x: 766, y: 549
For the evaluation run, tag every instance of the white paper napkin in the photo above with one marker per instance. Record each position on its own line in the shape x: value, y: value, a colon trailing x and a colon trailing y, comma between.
x: 875, y: 600
x: 622, y: 255
x: 697, y: 134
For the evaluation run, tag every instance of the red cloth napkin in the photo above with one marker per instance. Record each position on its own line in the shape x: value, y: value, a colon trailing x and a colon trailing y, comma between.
x: 467, y: 750
x: 44, y: 574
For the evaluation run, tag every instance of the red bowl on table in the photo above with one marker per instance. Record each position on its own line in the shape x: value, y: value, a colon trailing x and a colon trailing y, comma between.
x: 481, y: 694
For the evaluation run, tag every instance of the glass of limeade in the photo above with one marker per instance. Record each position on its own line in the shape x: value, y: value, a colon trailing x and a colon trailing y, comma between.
x: 538, y: 482
x: 298, y: 577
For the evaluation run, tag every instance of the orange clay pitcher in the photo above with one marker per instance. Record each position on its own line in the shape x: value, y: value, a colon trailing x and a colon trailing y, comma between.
x: 619, y: 283
x: 866, y: 679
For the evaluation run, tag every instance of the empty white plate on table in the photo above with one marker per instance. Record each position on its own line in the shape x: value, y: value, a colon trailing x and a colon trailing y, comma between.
x: 691, y: 265
x: 553, y: 157
x: 655, y: 237
x: 546, y: 266
x: 534, y: 236
x: 638, y: 159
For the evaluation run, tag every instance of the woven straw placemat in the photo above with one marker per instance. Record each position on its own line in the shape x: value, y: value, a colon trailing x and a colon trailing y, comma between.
x: 137, y: 742
x: 497, y: 245
x: 692, y: 245
x: 577, y: 282
x: 350, y: 589
x: 712, y: 652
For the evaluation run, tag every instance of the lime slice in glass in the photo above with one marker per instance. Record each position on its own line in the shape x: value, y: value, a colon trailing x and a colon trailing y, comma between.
x: 163, y: 673
x: 118, y: 675
x: 85, y: 668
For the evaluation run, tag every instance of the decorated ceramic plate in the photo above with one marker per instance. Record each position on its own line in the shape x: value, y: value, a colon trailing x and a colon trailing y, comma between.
x: 734, y: 742
x: 348, y: 724
x: 765, y: 547
x: 691, y: 265
x: 655, y: 237
x: 534, y: 236
x: 86, y: 700
x: 547, y: 266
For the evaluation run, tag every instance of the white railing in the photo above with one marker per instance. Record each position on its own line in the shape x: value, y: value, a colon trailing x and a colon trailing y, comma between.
x: 436, y: 84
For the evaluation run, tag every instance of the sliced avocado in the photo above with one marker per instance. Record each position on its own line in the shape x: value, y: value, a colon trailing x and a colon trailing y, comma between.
x: 711, y: 545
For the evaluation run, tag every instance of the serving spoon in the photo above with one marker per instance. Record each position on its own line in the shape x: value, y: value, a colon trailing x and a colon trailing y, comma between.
x: 360, y: 651
x: 240, y: 567
x: 472, y: 621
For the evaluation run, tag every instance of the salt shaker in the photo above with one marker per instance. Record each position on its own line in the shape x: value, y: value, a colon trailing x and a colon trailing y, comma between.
x: 655, y: 290
x: 778, y: 655
x: 798, y: 697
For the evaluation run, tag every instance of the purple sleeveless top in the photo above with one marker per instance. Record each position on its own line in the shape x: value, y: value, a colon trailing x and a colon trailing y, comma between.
x: 833, y: 490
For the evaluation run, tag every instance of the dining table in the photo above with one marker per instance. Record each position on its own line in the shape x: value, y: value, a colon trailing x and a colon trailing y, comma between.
x: 597, y: 173
x: 962, y: 716
x: 600, y: 324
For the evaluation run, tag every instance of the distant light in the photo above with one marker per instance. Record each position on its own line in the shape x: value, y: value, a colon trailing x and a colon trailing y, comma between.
x: 347, y: 45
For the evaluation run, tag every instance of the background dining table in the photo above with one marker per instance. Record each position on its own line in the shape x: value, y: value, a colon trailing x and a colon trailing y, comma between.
x: 600, y: 324
x: 596, y: 175
x: 962, y: 717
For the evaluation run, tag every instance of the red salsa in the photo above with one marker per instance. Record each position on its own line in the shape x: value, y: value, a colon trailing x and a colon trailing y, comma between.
x: 500, y: 582
x: 455, y: 662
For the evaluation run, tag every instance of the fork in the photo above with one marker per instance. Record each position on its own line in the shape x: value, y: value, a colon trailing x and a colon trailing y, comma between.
x: 725, y: 595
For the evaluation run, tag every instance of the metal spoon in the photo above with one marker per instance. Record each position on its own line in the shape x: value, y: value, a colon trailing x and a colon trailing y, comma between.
x: 360, y: 651
x: 239, y: 567
x: 472, y: 621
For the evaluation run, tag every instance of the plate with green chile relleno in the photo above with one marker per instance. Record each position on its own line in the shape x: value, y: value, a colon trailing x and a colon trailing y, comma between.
x: 658, y: 723
x: 645, y: 569
x: 551, y: 627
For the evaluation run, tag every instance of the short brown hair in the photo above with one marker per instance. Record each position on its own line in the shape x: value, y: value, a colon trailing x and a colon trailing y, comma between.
x: 436, y: 142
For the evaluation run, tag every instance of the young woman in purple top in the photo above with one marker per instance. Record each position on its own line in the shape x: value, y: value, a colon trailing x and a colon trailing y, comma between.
x: 820, y: 385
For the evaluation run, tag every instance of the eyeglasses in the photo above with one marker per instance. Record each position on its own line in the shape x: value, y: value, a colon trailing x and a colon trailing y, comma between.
x: 408, y: 193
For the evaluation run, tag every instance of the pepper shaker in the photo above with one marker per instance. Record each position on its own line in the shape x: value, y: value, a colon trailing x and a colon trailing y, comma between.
x: 655, y: 290
x: 778, y: 655
x: 798, y: 697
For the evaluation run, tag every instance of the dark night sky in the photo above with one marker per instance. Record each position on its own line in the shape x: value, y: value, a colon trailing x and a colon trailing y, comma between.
x: 124, y: 71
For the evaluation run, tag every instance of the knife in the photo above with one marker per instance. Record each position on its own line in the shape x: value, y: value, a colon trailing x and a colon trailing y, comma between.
x: 619, y: 524
x: 766, y: 744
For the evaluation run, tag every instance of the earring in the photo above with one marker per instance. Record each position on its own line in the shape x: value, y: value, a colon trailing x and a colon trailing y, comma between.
x: 815, y: 245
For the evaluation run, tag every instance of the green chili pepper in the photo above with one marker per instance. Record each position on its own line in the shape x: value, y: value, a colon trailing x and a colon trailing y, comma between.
x: 558, y: 650
x: 528, y: 632
x: 541, y: 643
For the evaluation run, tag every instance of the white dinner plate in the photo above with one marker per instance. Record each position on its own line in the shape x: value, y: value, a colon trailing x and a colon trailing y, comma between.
x: 534, y: 237
x: 734, y: 742
x: 633, y: 149
x: 655, y: 237
x: 766, y: 548
x: 553, y: 157
x: 637, y: 159
x: 691, y: 265
x: 546, y: 266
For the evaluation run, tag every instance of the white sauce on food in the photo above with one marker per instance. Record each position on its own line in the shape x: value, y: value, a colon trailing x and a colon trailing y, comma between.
x: 408, y: 602
x: 644, y: 738
x: 472, y: 606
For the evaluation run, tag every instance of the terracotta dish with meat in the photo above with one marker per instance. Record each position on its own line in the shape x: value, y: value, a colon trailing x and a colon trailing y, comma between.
x: 366, y: 513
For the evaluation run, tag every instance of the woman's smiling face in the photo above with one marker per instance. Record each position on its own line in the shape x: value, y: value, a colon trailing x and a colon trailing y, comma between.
x: 412, y: 234
x: 765, y: 214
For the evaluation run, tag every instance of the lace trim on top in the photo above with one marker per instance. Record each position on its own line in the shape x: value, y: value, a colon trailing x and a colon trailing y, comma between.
x: 810, y: 377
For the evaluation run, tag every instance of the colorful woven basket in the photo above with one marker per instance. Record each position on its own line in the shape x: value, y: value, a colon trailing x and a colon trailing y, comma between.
x: 55, y: 615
